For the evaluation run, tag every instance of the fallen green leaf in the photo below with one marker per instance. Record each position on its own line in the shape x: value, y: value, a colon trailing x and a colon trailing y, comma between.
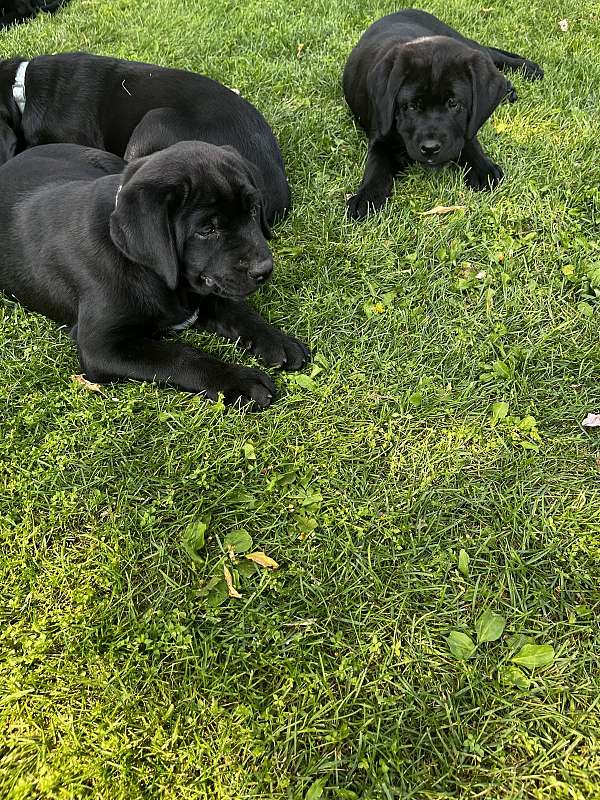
x: 489, y: 627
x: 513, y: 676
x: 461, y: 646
x: 194, y: 536
x: 305, y: 382
x: 238, y: 541
x: 249, y: 451
x: 499, y: 411
x: 315, y: 792
x: 534, y: 655
x: 217, y: 594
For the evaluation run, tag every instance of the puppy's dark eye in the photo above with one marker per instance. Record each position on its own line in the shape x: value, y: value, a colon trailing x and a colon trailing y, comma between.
x: 453, y: 104
x: 206, y: 231
x: 411, y: 106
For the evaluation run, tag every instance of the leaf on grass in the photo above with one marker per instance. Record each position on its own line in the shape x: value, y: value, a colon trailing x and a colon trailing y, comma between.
x: 499, y: 411
x: 585, y: 309
x: 286, y: 478
x: 193, y: 538
x: 513, y: 676
x: 315, y: 792
x: 217, y: 593
x: 529, y: 445
x: 501, y: 369
x: 306, y: 525
x: 231, y: 590
x: 81, y: 380
x: 305, y: 382
x: 415, y: 399
x: 591, y: 421
x: 534, y: 655
x: 489, y: 627
x: 247, y: 569
x: 263, y: 559
x: 461, y: 646
x: 249, y: 451
x: 439, y: 210
x: 237, y: 541
x: 463, y: 563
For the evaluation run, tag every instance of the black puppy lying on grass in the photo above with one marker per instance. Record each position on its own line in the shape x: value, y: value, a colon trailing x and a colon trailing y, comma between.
x: 131, y: 110
x: 422, y: 91
x: 173, y: 239
x: 12, y: 11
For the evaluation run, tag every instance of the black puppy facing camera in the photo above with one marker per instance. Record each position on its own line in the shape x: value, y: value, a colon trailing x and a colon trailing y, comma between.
x: 422, y: 91
x: 174, y: 239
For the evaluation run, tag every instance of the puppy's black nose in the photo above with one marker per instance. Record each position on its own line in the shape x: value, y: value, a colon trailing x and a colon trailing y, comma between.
x: 430, y: 147
x: 261, y: 271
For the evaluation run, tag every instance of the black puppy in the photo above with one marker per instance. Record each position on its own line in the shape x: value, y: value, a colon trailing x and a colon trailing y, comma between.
x: 12, y: 11
x: 131, y: 110
x: 421, y: 91
x: 173, y: 239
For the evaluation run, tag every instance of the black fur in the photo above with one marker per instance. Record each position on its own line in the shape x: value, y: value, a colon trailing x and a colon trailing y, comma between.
x: 21, y: 10
x: 421, y: 91
x: 133, y: 109
x: 122, y: 253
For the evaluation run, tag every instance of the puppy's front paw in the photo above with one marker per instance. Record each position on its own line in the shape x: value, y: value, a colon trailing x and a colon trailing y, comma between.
x: 362, y: 204
x: 244, y: 388
x: 532, y: 71
x: 277, y: 349
x: 484, y: 176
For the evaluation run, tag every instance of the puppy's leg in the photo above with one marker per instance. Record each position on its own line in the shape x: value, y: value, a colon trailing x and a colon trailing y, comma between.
x: 505, y: 60
x: 377, y: 182
x: 481, y: 173
x: 105, y: 360
x: 237, y: 322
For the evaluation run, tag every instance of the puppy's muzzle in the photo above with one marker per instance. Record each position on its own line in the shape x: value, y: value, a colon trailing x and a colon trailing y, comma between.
x: 261, y: 271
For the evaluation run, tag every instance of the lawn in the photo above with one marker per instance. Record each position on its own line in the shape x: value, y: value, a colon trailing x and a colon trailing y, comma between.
x: 455, y: 358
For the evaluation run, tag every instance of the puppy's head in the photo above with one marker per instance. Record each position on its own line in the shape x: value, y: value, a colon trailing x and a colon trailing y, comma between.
x: 434, y: 93
x: 193, y: 214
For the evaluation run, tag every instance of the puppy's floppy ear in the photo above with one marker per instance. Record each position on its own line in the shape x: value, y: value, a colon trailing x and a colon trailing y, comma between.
x: 265, y: 227
x: 253, y: 176
x: 140, y: 226
x: 489, y: 87
x: 384, y: 81
x: 8, y: 142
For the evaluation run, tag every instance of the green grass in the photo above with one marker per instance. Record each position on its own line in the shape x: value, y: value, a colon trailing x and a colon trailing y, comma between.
x: 120, y: 679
